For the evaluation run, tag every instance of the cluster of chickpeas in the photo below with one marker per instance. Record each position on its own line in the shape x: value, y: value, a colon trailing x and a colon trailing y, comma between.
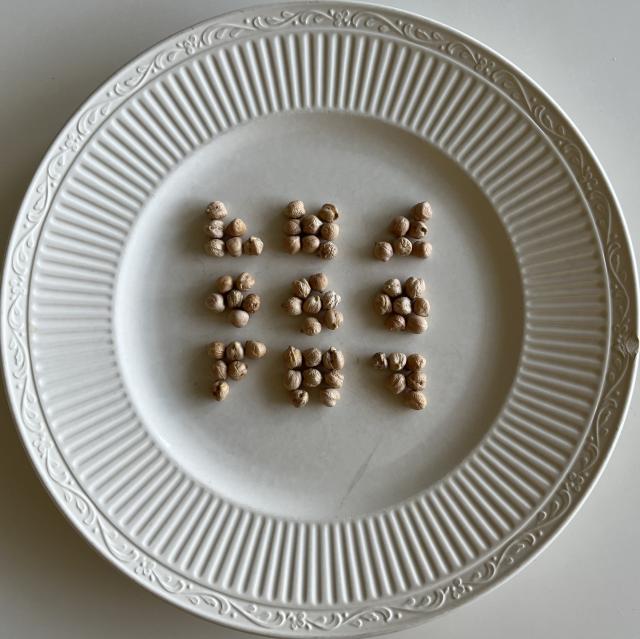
x: 409, y: 234
x: 406, y: 376
x: 231, y: 295
x: 309, y: 233
x: 310, y: 369
x: 320, y: 305
x: 229, y: 363
x: 404, y: 306
x: 227, y: 239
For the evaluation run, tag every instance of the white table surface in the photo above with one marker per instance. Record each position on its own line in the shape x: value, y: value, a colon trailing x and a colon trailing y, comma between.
x: 53, y: 54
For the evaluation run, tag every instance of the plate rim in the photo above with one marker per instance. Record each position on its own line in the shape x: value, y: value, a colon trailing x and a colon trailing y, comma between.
x: 380, y: 617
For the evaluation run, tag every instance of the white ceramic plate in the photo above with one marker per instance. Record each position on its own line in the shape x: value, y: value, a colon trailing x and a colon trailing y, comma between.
x: 367, y: 517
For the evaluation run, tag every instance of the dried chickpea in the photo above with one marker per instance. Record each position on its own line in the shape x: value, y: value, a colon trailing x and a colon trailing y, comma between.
x: 234, y: 299
x: 402, y: 246
x: 334, y: 379
x: 421, y: 306
x: 416, y: 381
x: 294, y: 210
x: 299, y: 398
x: 382, y: 304
x: 392, y: 287
x: 251, y: 303
x: 416, y: 362
x: 220, y: 390
x: 311, y: 377
x: 329, y: 231
x: 311, y: 224
x: 414, y: 287
x: 293, y: 306
x: 333, y: 319
x: 421, y: 249
x: 292, y: 244
x: 215, y: 302
x: 402, y: 305
x: 399, y: 226
x: 224, y: 283
x: 397, y: 361
x: 216, y: 350
x: 235, y: 228
x: 310, y: 244
x: 417, y: 230
x: 238, y: 317
x: 292, y: 227
x: 214, y: 229
x: 311, y: 326
x: 330, y: 299
x: 333, y: 359
x: 301, y: 288
x: 292, y: 380
x: 380, y: 361
x: 216, y: 210
x: 219, y: 369
x: 215, y: 248
x: 292, y: 357
x: 396, y: 383
x: 253, y: 246
x: 234, y: 351
x: 327, y: 250
x: 312, y: 356
x: 330, y: 396
x: 415, y: 400
x: 421, y: 211
x: 328, y: 213
x: 236, y: 370
x: 383, y: 251
x: 254, y: 350
x: 312, y: 305
x: 318, y: 281
x: 416, y: 323
x: 395, y: 322
x: 234, y: 246
x: 245, y: 281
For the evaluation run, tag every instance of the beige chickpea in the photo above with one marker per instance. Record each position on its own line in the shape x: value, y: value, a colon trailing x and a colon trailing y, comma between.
x: 382, y: 304
x: 414, y: 287
x: 253, y: 246
x: 421, y: 249
x: 254, y: 349
x: 416, y: 381
x: 421, y: 211
x: 395, y: 322
x: 215, y: 248
x: 397, y: 361
x: 333, y: 359
x: 399, y: 226
x: 415, y: 400
x: 299, y: 397
x: 329, y: 231
x: 417, y: 230
x: 216, y: 210
x: 219, y: 370
x: 235, y: 228
x: 311, y: 377
x: 333, y: 379
x: 216, y: 350
x: 330, y: 300
x: 214, y: 229
x: 301, y: 288
x: 329, y: 213
x: 327, y: 250
x: 383, y: 251
x: 416, y: 323
x: 251, y: 303
x: 380, y: 361
x: 234, y: 351
x: 293, y: 306
x: 312, y: 357
x: 234, y: 246
x: 333, y: 319
x: 311, y: 224
x: 318, y: 281
x: 234, y: 298
x: 292, y: 380
x: 310, y: 244
x: 392, y: 287
x: 330, y: 396
x: 292, y: 244
x: 294, y: 210
x: 238, y: 317
x: 402, y: 305
x: 224, y: 283
x: 402, y: 246
x: 245, y: 281
x: 215, y: 302
x: 312, y: 305
x: 292, y: 227
x: 421, y: 306
x: 396, y: 383
x: 237, y: 370
x: 292, y: 357
x: 416, y: 362
x: 220, y: 390
x: 311, y: 326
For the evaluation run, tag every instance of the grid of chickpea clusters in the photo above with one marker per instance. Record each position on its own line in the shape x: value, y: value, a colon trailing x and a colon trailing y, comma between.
x: 314, y: 371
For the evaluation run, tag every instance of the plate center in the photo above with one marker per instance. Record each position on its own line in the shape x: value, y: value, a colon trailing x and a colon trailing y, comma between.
x: 370, y: 451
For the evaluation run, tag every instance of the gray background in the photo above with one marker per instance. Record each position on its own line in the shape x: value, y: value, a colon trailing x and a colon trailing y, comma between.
x: 54, y: 54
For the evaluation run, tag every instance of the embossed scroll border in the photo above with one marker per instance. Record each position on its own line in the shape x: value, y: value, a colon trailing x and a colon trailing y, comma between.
x: 234, y: 611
